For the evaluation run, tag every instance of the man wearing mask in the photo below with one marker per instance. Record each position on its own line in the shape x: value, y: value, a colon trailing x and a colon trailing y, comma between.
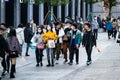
x: 4, y: 50
x: 66, y: 39
x: 75, y: 41
x: 95, y: 27
x: 60, y: 33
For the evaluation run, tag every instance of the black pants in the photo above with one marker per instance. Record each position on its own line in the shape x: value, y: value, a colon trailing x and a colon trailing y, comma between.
x: 6, y: 63
x: 39, y: 55
x: 72, y: 52
x: 28, y: 45
x: 88, y: 51
x: 96, y: 33
x: 109, y: 33
x: 114, y: 33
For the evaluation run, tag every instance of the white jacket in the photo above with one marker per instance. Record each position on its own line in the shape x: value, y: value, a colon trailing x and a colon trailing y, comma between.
x: 20, y: 35
x: 60, y: 35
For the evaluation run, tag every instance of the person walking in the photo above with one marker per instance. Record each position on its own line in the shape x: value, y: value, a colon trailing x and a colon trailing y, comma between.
x: 95, y: 27
x: 33, y: 26
x: 4, y: 50
x: 28, y: 34
x: 114, y: 28
x: 88, y: 41
x: 40, y: 46
x: 15, y: 49
x: 66, y: 40
x: 109, y: 28
x: 20, y: 35
x: 49, y: 38
x: 75, y: 41
x: 60, y: 33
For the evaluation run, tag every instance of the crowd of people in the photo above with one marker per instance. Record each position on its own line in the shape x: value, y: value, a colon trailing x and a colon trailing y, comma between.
x: 57, y: 38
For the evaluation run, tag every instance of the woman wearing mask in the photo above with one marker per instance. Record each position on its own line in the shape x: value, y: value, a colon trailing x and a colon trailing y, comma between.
x: 48, y: 37
x: 39, y: 51
x: 20, y: 35
x: 88, y: 41
x: 15, y: 49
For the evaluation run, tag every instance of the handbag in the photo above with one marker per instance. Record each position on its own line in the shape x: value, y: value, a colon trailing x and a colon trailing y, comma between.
x: 40, y: 46
x: 51, y: 44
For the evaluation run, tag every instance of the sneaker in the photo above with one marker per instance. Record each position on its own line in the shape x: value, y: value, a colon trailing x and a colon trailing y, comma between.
x: 88, y: 63
x: 65, y: 61
x: 27, y: 55
x: 77, y: 63
x: 48, y: 65
x: 70, y: 63
x: 52, y: 65
x: 37, y: 65
x: 41, y: 64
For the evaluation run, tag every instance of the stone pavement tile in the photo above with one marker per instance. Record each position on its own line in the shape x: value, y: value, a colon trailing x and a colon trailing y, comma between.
x: 28, y: 71
x: 107, y: 67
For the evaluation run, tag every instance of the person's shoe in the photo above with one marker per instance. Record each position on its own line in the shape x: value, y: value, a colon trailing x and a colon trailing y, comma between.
x: 12, y: 76
x: 88, y: 63
x: 77, y: 63
x: 70, y: 63
x: 65, y: 61
x: 27, y: 55
x: 37, y: 65
x: 48, y: 65
x: 41, y: 64
x: 52, y: 65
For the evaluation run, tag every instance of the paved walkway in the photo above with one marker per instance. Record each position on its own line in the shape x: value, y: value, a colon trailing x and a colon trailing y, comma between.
x: 105, y: 65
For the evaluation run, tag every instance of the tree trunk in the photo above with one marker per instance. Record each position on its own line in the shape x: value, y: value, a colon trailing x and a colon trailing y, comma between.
x: 90, y: 13
x: 110, y: 12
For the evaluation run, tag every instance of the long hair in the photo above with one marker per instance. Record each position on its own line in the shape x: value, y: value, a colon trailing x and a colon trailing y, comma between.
x: 12, y: 33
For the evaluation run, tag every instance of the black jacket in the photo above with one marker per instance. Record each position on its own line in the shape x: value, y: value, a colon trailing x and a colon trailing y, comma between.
x: 3, y: 46
x: 88, y: 39
x: 28, y: 34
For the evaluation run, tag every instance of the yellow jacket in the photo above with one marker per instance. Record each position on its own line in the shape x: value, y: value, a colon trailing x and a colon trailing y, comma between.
x: 49, y: 36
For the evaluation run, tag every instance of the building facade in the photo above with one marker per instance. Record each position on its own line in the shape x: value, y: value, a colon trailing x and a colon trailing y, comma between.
x: 12, y: 12
x: 99, y: 9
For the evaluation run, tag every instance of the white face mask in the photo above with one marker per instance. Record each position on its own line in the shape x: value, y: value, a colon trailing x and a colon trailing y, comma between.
x: 48, y: 28
x: 44, y: 30
x: 39, y: 30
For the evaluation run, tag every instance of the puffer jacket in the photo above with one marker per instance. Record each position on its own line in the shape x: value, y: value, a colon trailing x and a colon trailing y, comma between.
x: 20, y: 35
x: 50, y: 35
